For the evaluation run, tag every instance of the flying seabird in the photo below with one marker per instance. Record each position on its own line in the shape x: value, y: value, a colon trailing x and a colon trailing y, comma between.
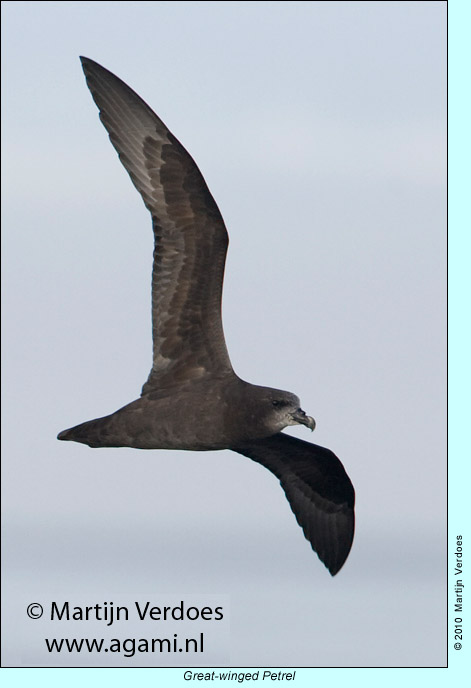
x: 192, y: 398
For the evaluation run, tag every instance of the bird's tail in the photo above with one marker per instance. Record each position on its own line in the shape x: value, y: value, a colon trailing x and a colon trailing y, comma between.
x: 95, y: 433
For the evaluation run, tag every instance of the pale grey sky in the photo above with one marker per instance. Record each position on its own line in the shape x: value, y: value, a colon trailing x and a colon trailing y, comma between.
x: 320, y: 129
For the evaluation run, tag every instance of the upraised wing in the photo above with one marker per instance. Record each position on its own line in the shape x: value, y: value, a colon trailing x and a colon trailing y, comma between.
x: 318, y: 489
x: 190, y: 236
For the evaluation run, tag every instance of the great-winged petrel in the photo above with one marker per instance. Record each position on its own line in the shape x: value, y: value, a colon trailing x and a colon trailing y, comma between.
x: 193, y: 399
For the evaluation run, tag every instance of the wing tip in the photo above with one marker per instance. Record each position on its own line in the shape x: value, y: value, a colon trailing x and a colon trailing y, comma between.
x: 333, y: 569
x: 88, y: 65
x: 85, y: 60
x: 335, y: 563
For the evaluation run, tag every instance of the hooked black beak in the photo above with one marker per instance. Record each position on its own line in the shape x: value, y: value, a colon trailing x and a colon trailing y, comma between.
x: 299, y: 416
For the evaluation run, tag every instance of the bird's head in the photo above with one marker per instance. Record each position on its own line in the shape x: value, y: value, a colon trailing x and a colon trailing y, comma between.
x: 280, y: 409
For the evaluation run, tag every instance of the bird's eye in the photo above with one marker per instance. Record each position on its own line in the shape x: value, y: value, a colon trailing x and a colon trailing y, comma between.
x: 275, y: 402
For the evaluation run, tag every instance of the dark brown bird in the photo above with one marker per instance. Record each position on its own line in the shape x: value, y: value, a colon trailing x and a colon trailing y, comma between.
x: 193, y: 399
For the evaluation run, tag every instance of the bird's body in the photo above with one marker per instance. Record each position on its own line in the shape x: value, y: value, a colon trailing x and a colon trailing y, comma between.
x: 193, y: 399
x: 207, y: 414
